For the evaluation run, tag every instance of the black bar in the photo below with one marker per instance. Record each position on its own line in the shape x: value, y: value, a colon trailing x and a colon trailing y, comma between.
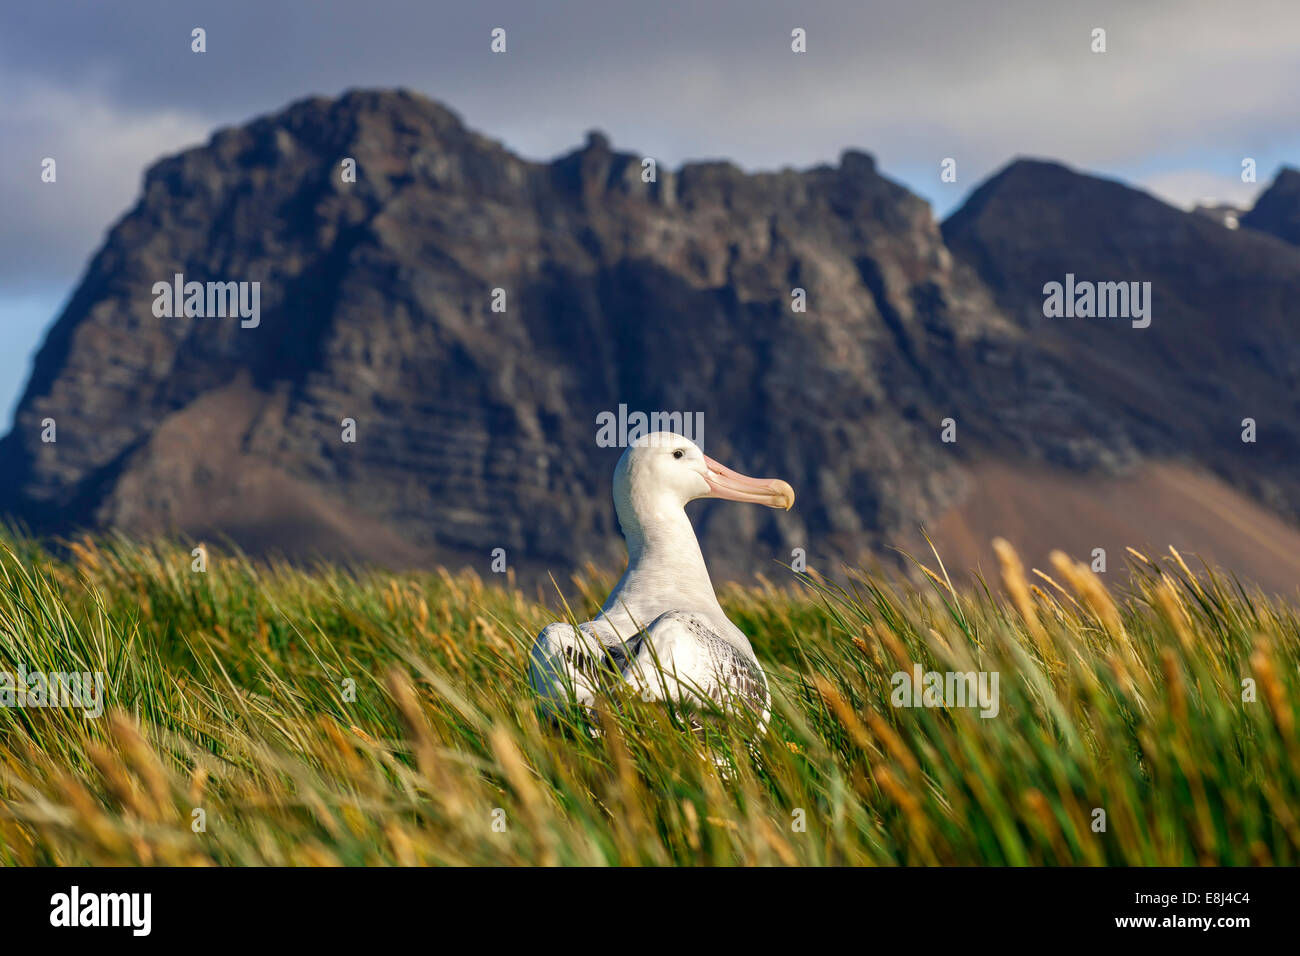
x: 558, y: 907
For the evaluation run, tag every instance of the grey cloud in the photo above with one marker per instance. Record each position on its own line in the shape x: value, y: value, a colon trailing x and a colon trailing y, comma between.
x: 912, y: 82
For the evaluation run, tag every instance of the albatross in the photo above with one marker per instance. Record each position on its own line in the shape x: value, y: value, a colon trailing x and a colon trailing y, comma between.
x: 661, y: 632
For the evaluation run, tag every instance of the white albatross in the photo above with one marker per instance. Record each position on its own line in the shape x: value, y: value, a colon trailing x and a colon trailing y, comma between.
x: 661, y: 632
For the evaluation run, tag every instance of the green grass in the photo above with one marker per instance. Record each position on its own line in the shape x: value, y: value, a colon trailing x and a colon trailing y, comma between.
x: 226, y: 694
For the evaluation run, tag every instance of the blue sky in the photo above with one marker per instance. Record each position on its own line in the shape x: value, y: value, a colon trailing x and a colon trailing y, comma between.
x: 1186, y: 89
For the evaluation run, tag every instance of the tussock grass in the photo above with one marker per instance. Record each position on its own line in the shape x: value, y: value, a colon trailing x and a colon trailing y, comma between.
x: 226, y: 693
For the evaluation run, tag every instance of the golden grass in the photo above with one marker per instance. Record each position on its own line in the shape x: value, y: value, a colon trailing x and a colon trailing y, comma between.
x: 229, y: 694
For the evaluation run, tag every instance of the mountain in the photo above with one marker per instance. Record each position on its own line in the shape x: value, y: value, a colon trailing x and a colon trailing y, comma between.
x: 1220, y: 348
x: 476, y: 429
x: 1277, y: 211
x: 473, y: 315
x: 1221, y: 345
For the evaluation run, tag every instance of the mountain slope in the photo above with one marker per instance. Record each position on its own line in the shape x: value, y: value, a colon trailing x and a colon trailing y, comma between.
x: 1221, y: 346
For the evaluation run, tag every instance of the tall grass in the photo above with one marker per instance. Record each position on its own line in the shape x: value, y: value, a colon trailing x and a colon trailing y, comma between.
x: 228, y: 693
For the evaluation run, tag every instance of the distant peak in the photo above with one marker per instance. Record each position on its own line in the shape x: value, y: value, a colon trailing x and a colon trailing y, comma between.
x: 856, y: 161
x: 1024, y: 168
x: 1038, y: 176
x: 1277, y: 210
x: 360, y: 101
x: 1288, y: 178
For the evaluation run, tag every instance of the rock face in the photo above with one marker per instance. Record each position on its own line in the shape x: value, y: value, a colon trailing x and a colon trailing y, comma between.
x: 1277, y: 211
x: 476, y: 428
x: 1221, y: 346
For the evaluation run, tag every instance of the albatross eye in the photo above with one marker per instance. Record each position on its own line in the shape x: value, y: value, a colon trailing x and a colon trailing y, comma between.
x: 678, y: 453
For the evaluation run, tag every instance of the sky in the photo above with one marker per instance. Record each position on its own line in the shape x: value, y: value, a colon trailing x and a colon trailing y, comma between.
x: 1185, y: 90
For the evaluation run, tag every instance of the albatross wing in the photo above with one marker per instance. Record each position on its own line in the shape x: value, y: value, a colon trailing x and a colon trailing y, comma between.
x: 685, y: 660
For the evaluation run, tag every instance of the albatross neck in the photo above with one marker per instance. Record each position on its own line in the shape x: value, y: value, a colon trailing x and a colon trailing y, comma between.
x: 664, y: 561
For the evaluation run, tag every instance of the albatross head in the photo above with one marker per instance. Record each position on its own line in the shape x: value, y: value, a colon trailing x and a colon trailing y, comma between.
x: 664, y: 471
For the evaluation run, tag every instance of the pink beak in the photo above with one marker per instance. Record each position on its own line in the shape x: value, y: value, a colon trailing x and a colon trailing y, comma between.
x: 732, y: 485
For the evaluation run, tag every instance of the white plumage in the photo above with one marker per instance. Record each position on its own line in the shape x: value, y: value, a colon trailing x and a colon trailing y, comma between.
x: 661, y: 632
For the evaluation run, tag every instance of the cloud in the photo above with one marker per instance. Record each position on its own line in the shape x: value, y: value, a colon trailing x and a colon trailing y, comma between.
x: 100, y: 150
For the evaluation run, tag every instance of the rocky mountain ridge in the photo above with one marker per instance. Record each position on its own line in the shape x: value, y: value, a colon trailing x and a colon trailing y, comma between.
x: 473, y: 313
